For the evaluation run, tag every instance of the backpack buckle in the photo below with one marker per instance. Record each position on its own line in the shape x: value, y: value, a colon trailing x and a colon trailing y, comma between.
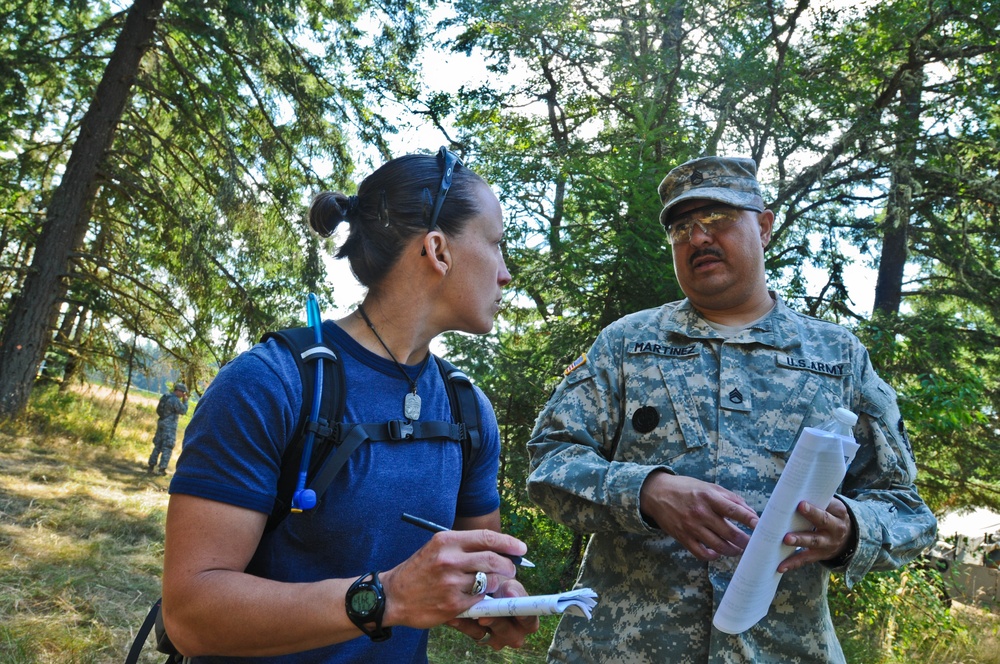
x: 321, y: 429
x: 400, y: 430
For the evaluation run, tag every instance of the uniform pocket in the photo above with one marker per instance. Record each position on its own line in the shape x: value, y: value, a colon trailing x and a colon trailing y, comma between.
x: 683, y: 407
x: 797, y: 399
x: 876, y: 398
x: 660, y: 422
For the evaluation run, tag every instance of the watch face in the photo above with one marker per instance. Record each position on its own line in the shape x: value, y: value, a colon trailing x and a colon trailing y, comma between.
x: 363, y: 601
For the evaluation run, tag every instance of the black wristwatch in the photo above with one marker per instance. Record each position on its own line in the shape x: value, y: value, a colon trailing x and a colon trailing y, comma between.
x: 365, y: 606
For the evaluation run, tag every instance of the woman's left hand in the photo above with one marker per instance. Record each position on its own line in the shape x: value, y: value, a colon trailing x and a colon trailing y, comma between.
x: 499, y: 633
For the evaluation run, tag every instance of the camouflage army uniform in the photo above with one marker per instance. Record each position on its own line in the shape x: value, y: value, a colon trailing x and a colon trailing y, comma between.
x: 661, y: 389
x: 169, y: 410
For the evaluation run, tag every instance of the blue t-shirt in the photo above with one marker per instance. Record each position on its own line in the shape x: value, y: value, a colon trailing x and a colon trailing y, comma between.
x: 232, y: 454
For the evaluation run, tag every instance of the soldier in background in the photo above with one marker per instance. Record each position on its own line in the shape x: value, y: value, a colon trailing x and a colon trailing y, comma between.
x: 666, y: 439
x: 171, y: 406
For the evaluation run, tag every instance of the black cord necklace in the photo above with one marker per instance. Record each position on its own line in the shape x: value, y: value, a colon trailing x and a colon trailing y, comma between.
x: 411, y: 402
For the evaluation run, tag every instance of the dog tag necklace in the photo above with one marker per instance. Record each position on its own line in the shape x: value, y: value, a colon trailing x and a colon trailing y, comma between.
x: 411, y: 402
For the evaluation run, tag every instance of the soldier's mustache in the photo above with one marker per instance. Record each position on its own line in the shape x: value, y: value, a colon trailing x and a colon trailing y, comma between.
x: 704, y: 252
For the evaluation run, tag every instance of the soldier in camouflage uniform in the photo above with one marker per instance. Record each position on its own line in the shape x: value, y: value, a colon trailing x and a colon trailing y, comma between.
x: 171, y: 406
x: 667, y: 437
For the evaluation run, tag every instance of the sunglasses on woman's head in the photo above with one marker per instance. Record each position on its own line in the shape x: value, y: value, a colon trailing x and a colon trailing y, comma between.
x: 449, y: 162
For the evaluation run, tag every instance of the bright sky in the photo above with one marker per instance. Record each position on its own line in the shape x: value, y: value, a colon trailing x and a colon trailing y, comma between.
x: 859, y: 280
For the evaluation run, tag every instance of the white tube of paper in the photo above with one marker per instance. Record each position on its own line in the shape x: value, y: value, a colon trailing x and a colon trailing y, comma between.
x: 815, y: 469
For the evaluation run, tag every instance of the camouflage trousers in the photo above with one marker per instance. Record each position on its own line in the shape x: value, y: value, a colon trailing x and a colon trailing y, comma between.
x: 163, y: 446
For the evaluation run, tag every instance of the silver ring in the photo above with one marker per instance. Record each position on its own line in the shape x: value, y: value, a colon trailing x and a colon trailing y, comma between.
x: 486, y: 638
x: 479, y: 586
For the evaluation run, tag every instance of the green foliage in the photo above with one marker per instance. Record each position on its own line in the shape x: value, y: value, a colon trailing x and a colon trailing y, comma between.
x: 16, y: 648
x: 548, y: 543
x: 949, y: 399
x: 88, y: 420
x: 240, y: 111
x: 65, y: 413
x: 448, y: 646
x: 897, y: 616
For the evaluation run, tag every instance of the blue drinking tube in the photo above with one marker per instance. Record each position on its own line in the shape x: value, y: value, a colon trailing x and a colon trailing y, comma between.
x: 303, y: 498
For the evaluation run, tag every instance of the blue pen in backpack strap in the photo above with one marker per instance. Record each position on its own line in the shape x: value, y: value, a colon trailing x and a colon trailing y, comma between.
x: 303, y: 498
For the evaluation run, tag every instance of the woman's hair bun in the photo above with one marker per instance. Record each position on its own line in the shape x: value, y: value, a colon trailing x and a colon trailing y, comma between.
x: 328, y: 209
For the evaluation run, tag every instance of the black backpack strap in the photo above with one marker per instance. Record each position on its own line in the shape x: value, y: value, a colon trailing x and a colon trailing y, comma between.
x: 301, y: 341
x: 408, y: 430
x: 143, y: 634
x: 464, y: 409
x: 333, y: 463
x: 153, y: 623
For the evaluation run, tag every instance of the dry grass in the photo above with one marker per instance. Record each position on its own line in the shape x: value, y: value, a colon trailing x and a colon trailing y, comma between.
x: 982, y: 638
x: 81, y: 529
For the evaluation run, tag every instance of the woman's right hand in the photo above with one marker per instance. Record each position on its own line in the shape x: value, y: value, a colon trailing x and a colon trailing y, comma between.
x: 435, y: 584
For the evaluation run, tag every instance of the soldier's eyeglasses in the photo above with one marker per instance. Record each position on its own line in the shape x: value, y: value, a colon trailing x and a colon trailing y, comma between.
x: 711, y: 219
x: 450, y: 162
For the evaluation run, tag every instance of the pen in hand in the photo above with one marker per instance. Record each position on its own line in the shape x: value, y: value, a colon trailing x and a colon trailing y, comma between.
x: 435, y: 528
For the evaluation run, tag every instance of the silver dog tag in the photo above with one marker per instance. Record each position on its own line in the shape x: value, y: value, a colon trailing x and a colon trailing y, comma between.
x: 411, y: 406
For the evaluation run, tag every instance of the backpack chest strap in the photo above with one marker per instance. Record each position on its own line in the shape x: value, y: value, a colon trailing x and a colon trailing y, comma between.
x: 405, y: 430
x: 351, y: 436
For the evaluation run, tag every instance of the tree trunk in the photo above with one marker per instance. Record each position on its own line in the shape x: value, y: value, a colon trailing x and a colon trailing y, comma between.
x: 128, y: 385
x: 34, y: 310
x: 62, y: 340
x: 75, y: 352
x: 889, y: 286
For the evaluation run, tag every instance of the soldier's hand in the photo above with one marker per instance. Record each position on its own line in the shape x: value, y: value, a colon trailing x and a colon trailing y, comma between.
x: 700, y: 515
x: 830, y: 536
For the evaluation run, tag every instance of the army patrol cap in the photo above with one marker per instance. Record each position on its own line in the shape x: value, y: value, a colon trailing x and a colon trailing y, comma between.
x: 729, y: 180
x: 180, y: 387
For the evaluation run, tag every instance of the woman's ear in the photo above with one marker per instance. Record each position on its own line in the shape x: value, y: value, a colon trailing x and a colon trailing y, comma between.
x: 436, y: 250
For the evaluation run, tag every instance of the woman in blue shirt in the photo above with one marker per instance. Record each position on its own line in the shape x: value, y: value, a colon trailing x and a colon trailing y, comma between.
x: 425, y: 239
